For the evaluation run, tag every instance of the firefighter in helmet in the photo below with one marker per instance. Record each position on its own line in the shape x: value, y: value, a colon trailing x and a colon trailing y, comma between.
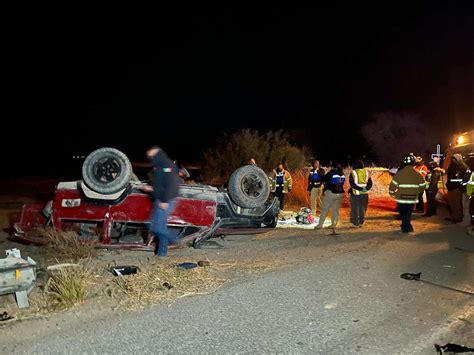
x: 405, y: 188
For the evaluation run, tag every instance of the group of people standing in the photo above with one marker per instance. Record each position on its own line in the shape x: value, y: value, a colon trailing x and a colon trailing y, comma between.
x: 408, y: 186
x: 326, y: 190
x: 413, y: 178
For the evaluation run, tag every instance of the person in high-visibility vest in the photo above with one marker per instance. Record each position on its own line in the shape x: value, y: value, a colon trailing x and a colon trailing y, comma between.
x: 405, y: 188
x: 315, y: 180
x: 280, y: 183
x: 361, y: 183
x: 333, y: 195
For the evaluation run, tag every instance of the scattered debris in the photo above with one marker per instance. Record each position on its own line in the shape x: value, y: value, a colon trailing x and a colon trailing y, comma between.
x: 167, y: 285
x: 411, y: 276
x: 164, y: 283
x: 203, y: 263
x: 187, y: 265
x: 305, y: 216
x: 124, y: 270
x: 452, y: 348
x: 417, y: 277
x: 17, y: 276
x: 5, y: 316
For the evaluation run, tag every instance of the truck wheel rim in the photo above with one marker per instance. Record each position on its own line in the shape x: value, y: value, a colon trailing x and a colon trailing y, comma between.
x: 106, y: 170
x: 252, y: 186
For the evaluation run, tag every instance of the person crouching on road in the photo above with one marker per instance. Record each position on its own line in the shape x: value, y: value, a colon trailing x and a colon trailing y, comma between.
x: 314, y: 186
x: 165, y: 182
x: 405, y: 188
x: 281, y: 183
x: 332, y: 195
x: 432, y: 180
x: 361, y: 183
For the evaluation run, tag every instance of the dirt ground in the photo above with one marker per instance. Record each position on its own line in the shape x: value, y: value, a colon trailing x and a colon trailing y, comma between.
x: 231, y: 260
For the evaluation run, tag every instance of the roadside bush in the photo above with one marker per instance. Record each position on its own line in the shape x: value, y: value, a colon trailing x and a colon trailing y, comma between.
x: 235, y: 150
x: 69, y: 245
x: 67, y: 286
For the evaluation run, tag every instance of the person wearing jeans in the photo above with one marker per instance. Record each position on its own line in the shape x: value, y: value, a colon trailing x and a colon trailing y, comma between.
x: 165, y: 187
x: 405, y: 210
x: 159, y: 227
x: 360, y: 183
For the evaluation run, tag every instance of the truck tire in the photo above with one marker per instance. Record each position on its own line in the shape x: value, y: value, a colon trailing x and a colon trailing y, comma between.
x: 249, y: 187
x: 106, y: 171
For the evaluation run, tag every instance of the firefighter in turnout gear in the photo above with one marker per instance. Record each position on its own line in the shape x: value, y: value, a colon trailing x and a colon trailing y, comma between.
x: 281, y: 183
x: 405, y: 188
x: 314, y: 186
x: 361, y: 183
x: 432, y: 180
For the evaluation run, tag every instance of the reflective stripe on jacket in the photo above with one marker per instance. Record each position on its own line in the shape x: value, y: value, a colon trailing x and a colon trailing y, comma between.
x: 406, y: 185
x: 280, y: 179
x: 361, y: 178
x: 470, y: 185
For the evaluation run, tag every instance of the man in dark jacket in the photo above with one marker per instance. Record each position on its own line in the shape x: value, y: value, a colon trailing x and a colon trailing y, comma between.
x: 332, y: 195
x: 164, y: 190
x: 456, y: 171
x: 314, y: 186
x: 361, y: 183
x: 432, y: 180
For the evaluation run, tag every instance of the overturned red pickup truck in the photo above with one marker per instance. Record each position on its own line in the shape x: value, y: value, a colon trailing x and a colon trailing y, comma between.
x: 108, y: 205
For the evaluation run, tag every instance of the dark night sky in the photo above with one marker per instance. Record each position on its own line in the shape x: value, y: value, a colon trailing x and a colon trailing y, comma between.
x: 179, y: 77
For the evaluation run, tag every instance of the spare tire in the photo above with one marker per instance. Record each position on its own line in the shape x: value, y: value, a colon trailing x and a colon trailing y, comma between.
x: 106, y: 171
x: 249, y: 187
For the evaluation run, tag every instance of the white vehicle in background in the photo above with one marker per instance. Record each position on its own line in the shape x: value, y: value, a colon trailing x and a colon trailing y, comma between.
x: 461, y: 144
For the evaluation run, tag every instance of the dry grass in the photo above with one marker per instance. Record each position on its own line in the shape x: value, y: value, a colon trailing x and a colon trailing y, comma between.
x: 147, y: 287
x: 67, y: 286
x: 69, y: 245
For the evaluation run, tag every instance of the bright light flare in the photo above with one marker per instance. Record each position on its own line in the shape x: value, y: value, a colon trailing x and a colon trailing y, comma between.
x: 460, y: 140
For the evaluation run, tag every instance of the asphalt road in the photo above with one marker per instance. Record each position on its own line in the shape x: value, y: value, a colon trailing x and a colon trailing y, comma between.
x: 352, y: 302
